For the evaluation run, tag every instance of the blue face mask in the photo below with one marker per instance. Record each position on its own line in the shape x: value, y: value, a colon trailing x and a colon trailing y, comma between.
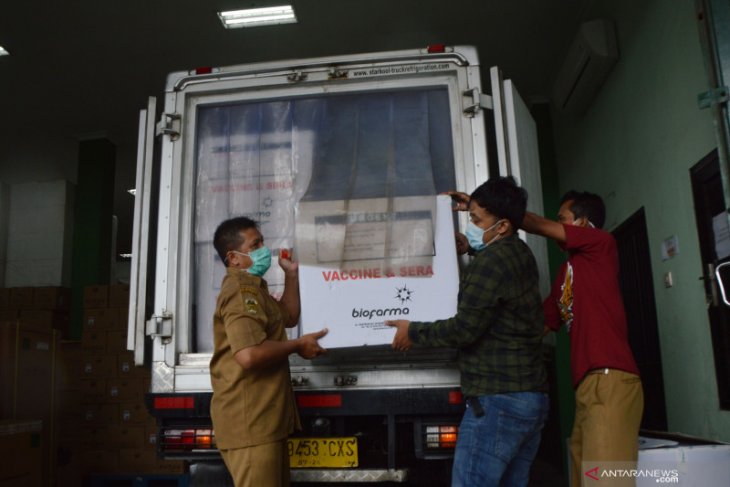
x: 475, y: 235
x: 261, y: 258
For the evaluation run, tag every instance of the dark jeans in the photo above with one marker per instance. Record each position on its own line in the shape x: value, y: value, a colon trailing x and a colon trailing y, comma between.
x: 498, y: 448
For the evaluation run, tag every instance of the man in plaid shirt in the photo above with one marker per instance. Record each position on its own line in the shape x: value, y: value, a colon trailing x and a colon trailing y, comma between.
x: 497, y: 330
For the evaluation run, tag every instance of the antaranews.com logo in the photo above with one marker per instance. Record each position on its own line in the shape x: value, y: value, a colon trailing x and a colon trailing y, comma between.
x: 659, y: 475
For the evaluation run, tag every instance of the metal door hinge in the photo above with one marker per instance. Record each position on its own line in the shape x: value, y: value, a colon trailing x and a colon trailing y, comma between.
x: 477, y: 101
x: 160, y: 326
x: 169, y: 124
x: 712, y: 97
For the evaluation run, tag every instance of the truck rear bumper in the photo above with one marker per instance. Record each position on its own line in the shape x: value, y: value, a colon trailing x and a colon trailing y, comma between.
x: 339, y: 476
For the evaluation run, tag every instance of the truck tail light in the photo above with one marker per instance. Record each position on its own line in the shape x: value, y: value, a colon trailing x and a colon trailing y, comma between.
x: 319, y: 400
x: 173, y: 440
x: 176, y: 402
x: 455, y: 397
x: 442, y: 437
x: 436, y: 48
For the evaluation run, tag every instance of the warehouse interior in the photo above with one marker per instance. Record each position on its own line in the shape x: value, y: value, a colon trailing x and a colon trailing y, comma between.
x: 78, y: 74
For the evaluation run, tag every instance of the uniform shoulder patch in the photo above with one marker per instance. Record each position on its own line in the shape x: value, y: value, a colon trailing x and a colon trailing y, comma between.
x: 252, y: 305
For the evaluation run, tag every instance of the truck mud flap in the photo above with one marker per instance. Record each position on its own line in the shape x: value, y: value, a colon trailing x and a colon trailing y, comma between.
x: 210, y: 474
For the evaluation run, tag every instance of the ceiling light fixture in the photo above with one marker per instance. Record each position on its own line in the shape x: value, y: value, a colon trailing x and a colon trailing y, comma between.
x: 255, y: 17
x: 3, y: 52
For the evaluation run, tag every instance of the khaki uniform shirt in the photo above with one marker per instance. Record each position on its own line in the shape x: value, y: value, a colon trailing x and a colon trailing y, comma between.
x: 256, y: 406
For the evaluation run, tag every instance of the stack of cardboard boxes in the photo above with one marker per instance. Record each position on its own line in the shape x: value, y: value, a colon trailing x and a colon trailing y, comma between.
x: 106, y: 427
x: 20, y: 449
x: 29, y: 320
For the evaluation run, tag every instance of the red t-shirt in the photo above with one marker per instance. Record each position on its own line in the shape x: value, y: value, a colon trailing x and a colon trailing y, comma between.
x: 586, y: 298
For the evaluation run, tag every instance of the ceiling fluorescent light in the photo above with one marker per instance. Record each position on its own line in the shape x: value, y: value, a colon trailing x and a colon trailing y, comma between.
x: 255, y: 17
x: 3, y: 52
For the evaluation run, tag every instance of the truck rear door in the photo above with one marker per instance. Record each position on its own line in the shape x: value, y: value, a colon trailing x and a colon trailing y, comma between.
x: 249, y: 140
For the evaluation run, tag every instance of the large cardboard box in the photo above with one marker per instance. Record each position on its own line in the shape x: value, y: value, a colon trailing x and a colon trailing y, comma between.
x: 96, y: 296
x: 125, y: 436
x: 119, y: 295
x: 93, y: 390
x: 9, y: 314
x: 99, y: 366
x: 125, y: 389
x: 671, y: 459
x: 52, y: 297
x: 100, y: 461
x: 69, y: 364
x: 116, y: 341
x: 134, y: 460
x: 26, y: 364
x: 21, y: 453
x: 70, y: 469
x: 134, y: 412
x: 21, y: 297
x: 150, y: 436
x: 100, y: 414
x: 367, y: 261
x: 95, y: 437
x: 46, y: 319
x: 93, y: 340
x: 126, y: 367
x: 101, y: 319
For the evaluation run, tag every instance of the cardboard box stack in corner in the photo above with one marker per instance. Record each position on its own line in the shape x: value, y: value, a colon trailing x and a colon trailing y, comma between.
x: 104, y: 424
x: 31, y: 321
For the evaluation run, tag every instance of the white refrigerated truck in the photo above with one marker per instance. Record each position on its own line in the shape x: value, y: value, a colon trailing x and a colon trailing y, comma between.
x: 259, y: 139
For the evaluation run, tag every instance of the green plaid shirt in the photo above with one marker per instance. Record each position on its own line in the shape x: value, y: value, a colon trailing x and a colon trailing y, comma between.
x: 498, y: 325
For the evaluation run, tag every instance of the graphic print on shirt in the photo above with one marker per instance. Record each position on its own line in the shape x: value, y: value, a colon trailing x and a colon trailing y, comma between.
x: 565, y: 303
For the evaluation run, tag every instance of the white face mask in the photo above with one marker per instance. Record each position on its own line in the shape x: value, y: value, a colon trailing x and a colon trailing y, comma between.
x: 590, y: 223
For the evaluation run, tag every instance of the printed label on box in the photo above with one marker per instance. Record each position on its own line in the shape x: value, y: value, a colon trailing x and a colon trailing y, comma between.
x: 417, y: 281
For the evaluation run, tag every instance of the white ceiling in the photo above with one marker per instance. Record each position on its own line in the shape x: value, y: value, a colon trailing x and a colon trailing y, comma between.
x: 87, y: 66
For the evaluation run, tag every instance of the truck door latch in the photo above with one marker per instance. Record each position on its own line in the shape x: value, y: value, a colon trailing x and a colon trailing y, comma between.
x: 160, y: 326
x: 478, y: 101
x: 715, y: 96
x: 169, y: 124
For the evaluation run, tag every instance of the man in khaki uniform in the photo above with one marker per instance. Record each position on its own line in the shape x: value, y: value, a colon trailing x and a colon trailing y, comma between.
x: 253, y: 407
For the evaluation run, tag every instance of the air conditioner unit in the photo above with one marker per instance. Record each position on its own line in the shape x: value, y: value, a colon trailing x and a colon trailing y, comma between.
x: 590, y: 58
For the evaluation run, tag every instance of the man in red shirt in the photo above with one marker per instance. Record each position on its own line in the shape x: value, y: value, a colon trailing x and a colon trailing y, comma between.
x: 586, y: 298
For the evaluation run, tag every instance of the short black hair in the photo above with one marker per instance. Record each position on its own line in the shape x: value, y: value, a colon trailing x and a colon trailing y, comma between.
x: 588, y: 205
x: 228, y: 236
x: 501, y: 197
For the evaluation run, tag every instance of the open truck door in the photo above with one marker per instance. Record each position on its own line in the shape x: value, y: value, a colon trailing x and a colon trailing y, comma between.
x: 518, y: 154
x: 141, y: 233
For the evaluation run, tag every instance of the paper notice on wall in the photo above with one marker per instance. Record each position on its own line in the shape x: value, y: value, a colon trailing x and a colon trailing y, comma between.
x: 721, y: 230
x: 354, y: 290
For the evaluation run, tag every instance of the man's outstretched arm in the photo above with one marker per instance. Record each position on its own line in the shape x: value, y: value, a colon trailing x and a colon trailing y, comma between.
x: 539, y: 225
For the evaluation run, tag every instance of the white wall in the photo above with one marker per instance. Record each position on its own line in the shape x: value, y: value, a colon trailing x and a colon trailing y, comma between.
x: 39, y: 234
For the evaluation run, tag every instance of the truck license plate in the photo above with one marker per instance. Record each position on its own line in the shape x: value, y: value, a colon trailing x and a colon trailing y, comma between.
x: 322, y: 452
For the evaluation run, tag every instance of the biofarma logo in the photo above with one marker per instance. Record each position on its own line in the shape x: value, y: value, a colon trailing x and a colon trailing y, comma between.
x: 403, y: 294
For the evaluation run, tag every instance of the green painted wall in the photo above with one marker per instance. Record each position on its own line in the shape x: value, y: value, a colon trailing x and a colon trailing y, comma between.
x: 634, y: 146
